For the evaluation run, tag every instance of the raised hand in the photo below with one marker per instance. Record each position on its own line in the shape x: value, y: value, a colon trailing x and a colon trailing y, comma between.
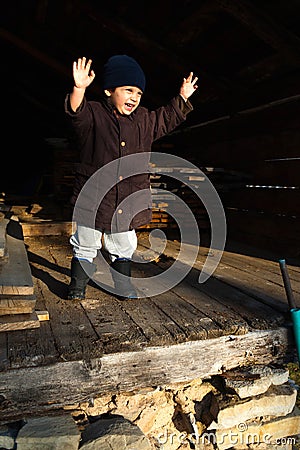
x: 82, y: 73
x: 188, y: 86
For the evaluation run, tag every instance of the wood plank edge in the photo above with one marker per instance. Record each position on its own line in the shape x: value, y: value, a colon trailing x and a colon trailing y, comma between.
x: 76, y: 381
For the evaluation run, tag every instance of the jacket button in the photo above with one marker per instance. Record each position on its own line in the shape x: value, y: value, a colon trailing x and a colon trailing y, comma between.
x: 123, y: 143
x: 120, y: 211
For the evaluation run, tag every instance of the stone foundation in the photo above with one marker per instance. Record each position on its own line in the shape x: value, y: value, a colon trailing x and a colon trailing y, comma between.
x: 247, y: 408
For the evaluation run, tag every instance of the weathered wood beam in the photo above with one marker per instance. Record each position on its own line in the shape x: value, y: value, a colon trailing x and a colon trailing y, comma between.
x: 15, y: 275
x: 15, y: 322
x: 36, y: 389
x: 46, y: 229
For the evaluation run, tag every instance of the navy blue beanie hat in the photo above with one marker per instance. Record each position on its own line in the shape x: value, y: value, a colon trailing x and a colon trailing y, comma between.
x: 122, y: 70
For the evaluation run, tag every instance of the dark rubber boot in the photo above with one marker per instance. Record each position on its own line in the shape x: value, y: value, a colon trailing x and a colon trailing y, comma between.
x: 81, y: 271
x: 122, y: 282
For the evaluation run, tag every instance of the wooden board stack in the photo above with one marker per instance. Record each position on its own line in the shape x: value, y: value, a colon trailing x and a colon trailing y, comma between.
x: 17, y: 299
x: 167, y: 189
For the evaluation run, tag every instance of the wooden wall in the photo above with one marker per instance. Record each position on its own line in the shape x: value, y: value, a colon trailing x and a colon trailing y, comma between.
x: 254, y: 161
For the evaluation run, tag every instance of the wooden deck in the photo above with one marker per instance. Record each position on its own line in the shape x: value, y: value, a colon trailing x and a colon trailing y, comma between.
x: 238, y: 316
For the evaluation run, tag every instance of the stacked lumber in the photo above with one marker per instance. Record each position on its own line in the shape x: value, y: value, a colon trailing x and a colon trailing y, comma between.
x: 64, y: 158
x: 17, y: 299
x: 169, y: 185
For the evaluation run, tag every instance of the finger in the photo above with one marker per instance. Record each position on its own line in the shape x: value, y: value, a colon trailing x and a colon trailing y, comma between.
x: 88, y: 65
x: 189, y: 78
x: 195, y: 81
x: 79, y: 63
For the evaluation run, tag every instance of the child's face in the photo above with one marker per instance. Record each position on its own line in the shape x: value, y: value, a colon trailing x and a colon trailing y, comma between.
x: 125, y: 98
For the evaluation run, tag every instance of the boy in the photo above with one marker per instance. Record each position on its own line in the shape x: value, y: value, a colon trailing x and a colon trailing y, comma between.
x: 105, y: 131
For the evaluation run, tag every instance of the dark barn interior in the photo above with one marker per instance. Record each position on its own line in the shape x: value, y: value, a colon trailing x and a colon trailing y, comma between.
x: 243, y: 132
x: 56, y: 354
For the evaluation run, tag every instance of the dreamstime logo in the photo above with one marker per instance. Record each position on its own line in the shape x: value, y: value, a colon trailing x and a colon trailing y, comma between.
x: 176, y: 168
x: 230, y: 438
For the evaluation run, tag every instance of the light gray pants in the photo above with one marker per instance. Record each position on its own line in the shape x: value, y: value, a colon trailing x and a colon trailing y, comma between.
x: 87, y: 241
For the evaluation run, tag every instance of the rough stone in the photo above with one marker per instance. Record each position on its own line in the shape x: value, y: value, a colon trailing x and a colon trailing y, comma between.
x: 270, y: 432
x: 8, y: 434
x: 114, y: 433
x: 175, y: 413
x: 49, y: 433
x: 252, y: 387
x: 277, y: 401
x: 154, y: 410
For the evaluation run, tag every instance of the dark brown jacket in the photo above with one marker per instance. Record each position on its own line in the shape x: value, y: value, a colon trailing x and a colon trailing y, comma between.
x: 103, y: 137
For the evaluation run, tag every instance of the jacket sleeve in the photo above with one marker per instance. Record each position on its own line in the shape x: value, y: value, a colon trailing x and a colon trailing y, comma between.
x: 80, y: 122
x: 169, y: 117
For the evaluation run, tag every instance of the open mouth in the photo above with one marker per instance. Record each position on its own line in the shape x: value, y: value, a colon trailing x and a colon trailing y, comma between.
x: 129, y: 106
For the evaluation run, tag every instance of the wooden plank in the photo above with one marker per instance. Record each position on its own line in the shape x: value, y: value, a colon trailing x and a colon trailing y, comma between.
x: 229, y: 321
x: 15, y: 275
x: 47, y: 229
x: 192, y: 321
x: 157, y: 326
x: 158, y: 225
x: 196, y: 178
x: 3, y: 224
x: 42, y: 315
x: 255, y: 259
x: 197, y: 314
x: 32, y: 347
x: 262, y: 290
x: 169, y: 169
x: 17, y: 304
x: 257, y: 314
x: 19, y: 322
x: 4, y: 361
x: 115, y: 328
x: 267, y: 270
x: 75, y: 336
x: 36, y: 389
x: 67, y: 335
x: 236, y: 309
x: 256, y: 288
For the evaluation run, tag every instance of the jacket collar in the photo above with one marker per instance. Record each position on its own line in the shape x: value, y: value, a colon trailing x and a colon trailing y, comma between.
x: 107, y: 103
